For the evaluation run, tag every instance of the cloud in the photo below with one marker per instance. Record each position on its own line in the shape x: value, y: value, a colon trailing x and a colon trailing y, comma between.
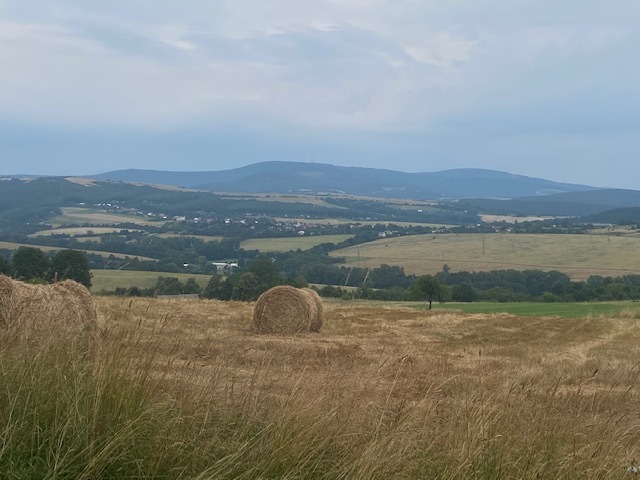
x: 424, y: 78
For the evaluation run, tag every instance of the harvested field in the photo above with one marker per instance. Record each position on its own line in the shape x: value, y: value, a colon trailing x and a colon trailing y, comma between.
x: 579, y: 256
x: 291, y: 243
x: 88, y: 216
x: 433, y: 394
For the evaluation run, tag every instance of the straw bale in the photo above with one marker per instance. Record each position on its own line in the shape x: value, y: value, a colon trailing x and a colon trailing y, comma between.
x: 64, y: 306
x: 284, y: 309
x: 318, y: 320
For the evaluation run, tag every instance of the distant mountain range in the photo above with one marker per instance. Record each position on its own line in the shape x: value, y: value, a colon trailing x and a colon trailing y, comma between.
x: 297, y: 177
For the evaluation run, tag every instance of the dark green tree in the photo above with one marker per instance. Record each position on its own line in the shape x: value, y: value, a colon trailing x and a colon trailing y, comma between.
x: 190, y: 286
x: 217, y: 288
x: 71, y: 265
x: 246, y: 287
x: 463, y: 293
x: 266, y: 274
x: 387, y: 276
x: 427, y: 288
x: 5, y: 266
x: 167, y: 286
x: 30, y: 264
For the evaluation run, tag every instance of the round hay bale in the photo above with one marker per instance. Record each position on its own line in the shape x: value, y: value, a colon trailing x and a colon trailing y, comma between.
x: 318, y: 320
x: 284, y: 309
x: 61, y: 307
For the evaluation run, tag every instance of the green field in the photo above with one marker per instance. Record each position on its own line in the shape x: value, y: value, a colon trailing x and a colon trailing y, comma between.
x: 291, y: 243
x: 579, y: 256
x: 110, y: 279
x: 89, y: 216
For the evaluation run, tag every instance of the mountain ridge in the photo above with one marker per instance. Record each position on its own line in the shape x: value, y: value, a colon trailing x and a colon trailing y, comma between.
x: 300, y: 177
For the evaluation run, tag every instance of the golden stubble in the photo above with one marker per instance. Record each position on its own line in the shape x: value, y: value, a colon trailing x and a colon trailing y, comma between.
x: 411, y: 382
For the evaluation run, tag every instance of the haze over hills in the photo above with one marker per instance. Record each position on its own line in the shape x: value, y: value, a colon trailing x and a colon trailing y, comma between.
x: 298, y: 177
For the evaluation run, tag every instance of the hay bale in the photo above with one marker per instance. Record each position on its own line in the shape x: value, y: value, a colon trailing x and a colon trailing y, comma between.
x: 284, y: 309
x: 27, y: 309
x: 318, y: 320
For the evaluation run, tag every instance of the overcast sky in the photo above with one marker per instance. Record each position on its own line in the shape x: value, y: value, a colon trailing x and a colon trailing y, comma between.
x: 544, y: 88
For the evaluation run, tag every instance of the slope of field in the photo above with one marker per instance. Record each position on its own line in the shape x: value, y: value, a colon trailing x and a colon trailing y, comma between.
x: 204, y: 238
x: 110, y: 279
x: 579, y: 256
x: 45, y: 248
x: 77, y: 215
x: 291, y: 243
x: 73, y: 231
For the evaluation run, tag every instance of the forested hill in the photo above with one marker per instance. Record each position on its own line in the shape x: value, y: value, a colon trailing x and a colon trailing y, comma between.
x: 577, y: 204
x: 296, y: 177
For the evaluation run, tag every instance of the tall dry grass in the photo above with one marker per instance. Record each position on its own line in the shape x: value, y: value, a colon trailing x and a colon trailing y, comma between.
x: 184, y: 390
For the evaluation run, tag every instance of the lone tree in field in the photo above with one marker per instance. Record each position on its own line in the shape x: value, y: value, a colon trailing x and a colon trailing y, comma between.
x: 427, y: 288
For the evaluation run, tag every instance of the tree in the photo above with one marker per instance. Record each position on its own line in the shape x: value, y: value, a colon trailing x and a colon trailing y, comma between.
x: 218, y: 288
x: 71, y: 265
x: 265, y: 274
x: 427, y: 288
x: 191, y: 286
x: 30, y: 264
x: 167, y: 286
x: 246, y: 288
x: 463, y: 293
x: 5, y: 266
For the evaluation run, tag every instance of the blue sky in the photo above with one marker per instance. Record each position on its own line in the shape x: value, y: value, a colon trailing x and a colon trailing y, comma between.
x: 539, y: 88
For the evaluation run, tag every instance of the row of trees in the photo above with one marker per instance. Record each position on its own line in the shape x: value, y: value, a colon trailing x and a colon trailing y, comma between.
x: 33, y: 265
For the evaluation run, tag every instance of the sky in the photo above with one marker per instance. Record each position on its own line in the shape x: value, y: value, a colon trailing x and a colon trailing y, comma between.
x: 533, y: 87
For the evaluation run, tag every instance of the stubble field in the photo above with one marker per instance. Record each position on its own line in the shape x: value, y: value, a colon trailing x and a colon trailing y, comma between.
x: 579, y: 256
x: 185, y: 389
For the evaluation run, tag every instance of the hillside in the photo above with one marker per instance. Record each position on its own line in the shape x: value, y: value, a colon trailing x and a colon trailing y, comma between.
x: 584, y: 203
x: 296, y: 177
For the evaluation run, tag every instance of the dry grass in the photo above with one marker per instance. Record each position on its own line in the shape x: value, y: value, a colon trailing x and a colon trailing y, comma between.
x: 579, y: 256
x: 412, y: 394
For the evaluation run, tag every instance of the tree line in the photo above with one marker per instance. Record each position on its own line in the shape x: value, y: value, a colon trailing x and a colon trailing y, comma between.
x: 33, y: 265
x: 386, y: 282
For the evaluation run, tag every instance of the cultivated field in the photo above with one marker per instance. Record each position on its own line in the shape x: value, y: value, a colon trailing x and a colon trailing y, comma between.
x: 347, y: 221
x: 44, y: 248
x: 275, y: 197
x: 73, y: 231
x: 579, y: 256
x: 110, y: 279
x: 89, y: 216
x: 205, y: 238
x: 187, y: 390
x: 291, y: 243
